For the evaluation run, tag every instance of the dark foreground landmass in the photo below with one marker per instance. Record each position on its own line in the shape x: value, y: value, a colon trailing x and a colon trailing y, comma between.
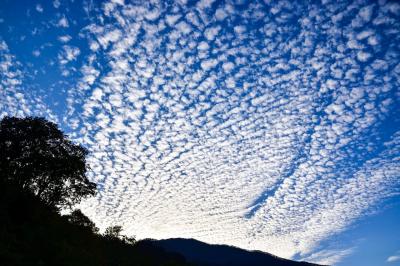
x: 32, y: 233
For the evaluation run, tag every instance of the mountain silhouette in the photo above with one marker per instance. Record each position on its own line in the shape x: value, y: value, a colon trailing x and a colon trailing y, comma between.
x: 203, y: 254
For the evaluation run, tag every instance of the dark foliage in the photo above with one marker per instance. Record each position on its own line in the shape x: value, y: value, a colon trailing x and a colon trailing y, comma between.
x: 113, y: 231
x: 78, y: 218
x: 37, y: 157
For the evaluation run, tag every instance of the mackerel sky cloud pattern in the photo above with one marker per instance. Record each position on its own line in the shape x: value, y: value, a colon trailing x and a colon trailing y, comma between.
x: 269, y: 125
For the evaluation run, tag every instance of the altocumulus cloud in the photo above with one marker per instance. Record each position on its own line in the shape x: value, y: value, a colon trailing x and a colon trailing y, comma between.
x: 257, y: 125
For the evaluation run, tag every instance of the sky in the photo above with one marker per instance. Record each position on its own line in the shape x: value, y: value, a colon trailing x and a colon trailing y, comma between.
x: 268, y: 125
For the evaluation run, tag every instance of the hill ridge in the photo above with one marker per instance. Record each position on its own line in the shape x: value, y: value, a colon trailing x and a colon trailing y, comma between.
x: 204, y: 254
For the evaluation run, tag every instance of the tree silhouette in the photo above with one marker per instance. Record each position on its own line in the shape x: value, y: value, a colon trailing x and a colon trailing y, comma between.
x: 78, y: 218
x: 113, y: 231
x: 36, y: 156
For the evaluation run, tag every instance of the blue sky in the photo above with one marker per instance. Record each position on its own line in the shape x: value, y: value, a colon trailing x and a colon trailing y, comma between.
x: 269, y: 125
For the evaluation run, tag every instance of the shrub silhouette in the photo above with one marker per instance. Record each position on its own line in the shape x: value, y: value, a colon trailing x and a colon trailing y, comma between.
x: 37, y: 157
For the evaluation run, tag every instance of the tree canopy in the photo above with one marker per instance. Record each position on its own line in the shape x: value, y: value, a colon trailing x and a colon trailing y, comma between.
x: 36, y: 156
x: 76, y: 217
x: 113, y: 231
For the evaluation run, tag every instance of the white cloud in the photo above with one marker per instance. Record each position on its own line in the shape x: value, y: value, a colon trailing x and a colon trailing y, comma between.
x: 211, y: 33
x: 64, y: 38
x: 366, y: 13
x: 36, y: 53
x: 172, y: 19
x: 39, y: 8
x: 203, y: 46
x: 63, y: 22
x: 328, y: 257
x: 184, y: 27
x: 228, y: 66
x: 69, y: 53
x: 56, y: 3
x: 111, y: 36
x: 206, y: 65
x: 393, y: 258
x: 220, y: 14
x: 363, y: 56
